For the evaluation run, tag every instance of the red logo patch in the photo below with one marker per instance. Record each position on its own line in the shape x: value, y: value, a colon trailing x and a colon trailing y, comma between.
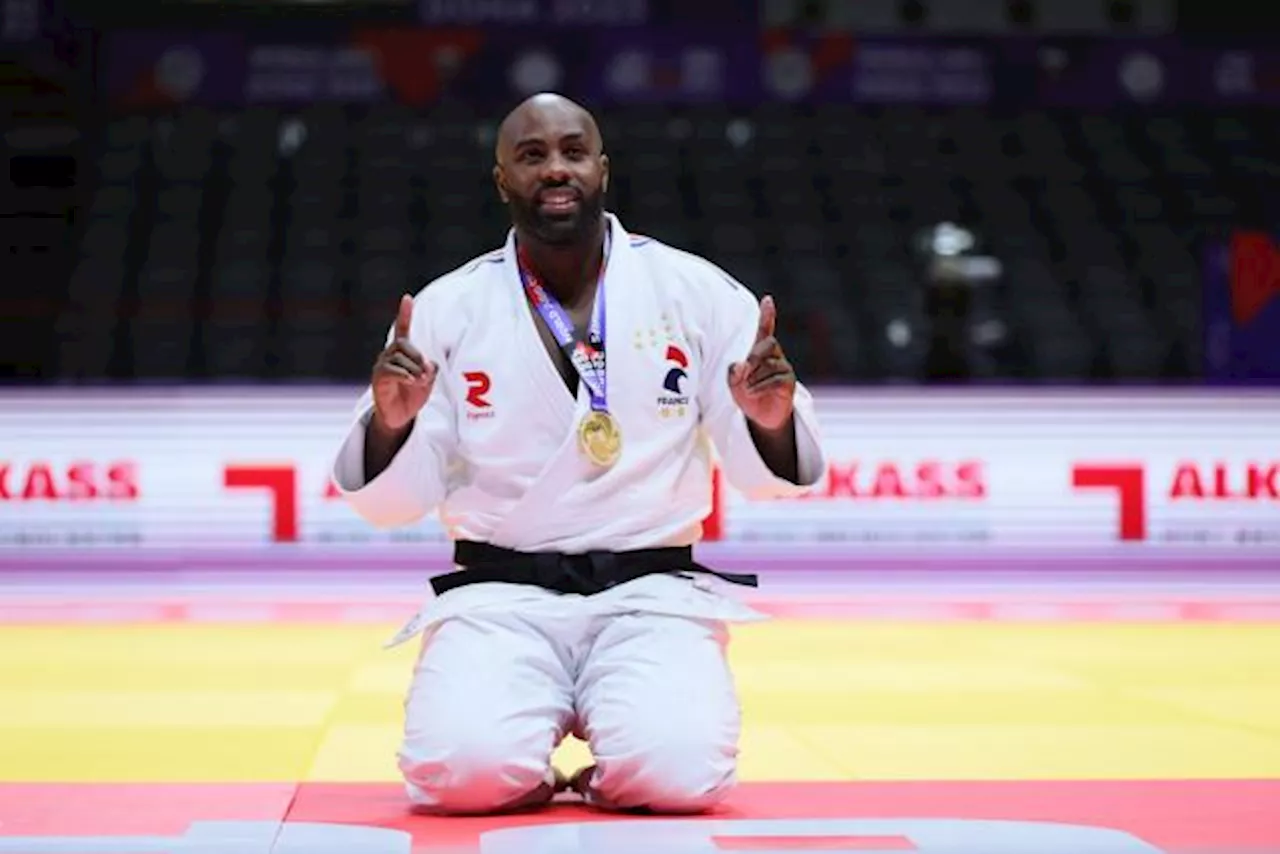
x: 478, y: 384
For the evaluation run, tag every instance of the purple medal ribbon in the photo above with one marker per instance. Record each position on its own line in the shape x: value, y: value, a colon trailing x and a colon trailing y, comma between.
x: 587, y: 356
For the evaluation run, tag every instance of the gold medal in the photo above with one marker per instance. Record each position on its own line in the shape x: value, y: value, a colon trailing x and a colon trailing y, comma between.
x: 600, y: 439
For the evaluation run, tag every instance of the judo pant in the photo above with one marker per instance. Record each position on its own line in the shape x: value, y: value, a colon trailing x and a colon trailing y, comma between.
x: 493, y: 695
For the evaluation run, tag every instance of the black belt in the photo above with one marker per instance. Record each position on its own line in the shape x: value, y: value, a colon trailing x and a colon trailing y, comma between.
x: 591, y: 572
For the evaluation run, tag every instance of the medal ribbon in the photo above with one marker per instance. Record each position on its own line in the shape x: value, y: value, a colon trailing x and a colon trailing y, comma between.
x: 587, y: 357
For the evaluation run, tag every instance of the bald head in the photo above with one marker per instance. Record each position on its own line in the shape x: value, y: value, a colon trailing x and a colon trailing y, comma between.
x: 536, y: 113
x: 551, y: 170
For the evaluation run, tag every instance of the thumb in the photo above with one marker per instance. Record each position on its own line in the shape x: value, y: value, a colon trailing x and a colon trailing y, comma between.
x: 768, y: 319
x: 404, y: 317
x: 428, y: 375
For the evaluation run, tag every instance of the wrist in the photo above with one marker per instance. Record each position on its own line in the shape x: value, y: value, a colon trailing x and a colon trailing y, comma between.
x: 380, y: 428
x: 786, y: 428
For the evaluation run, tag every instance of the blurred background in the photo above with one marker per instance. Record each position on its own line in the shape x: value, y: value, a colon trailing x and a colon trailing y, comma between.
x: 1031, y: 191
x: 1023, y: 250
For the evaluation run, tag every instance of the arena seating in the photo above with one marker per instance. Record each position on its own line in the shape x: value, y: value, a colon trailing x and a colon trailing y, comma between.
x: 218, y: 244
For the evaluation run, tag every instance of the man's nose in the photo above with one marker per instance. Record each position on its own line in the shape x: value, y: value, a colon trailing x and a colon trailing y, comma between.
x: 555, y: 169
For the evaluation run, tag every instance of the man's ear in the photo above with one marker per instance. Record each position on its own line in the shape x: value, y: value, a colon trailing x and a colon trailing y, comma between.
x: 604, y: 169
x: 499, y: 183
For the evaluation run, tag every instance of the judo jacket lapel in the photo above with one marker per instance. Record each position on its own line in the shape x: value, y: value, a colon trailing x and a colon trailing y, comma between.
x: 566, y: 467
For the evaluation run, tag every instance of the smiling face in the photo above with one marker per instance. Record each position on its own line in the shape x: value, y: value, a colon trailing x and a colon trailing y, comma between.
x: 552, y: 173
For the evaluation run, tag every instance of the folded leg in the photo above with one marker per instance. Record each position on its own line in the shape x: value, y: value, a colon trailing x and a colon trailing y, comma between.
x: 489, y: 702
x: 659, y: 709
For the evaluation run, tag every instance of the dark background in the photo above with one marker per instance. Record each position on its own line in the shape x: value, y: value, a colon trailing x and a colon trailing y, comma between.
x: 223, y: 233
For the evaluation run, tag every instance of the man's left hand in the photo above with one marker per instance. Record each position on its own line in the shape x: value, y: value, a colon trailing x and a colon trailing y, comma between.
x: 764, y: 384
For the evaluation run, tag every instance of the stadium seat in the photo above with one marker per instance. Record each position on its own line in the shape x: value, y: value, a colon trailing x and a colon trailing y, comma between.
x: 288, y: 234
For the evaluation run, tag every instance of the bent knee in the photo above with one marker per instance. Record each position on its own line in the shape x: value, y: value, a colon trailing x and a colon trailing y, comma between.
x: 668, y: 777
x: 472, y: 778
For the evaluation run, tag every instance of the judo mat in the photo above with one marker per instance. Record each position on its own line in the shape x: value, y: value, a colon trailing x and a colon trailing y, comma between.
x: 256, y: 718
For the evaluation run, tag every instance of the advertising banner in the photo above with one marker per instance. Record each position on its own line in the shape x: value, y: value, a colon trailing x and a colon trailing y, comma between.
x: 959, y: 470
x: 671, y: 66
x: 582, y: 13
x: 690, y: 58
x: 421, y: 66
x: 1041, y: 71
x: 1242, y: 310
x: 837, y: 68
x: 1077, y: 72
x: 154, y: 68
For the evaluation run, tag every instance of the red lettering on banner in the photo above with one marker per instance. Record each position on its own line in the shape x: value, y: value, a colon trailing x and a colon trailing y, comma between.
x: 1221, y: 485
x: 39, y: 483
x: 80, y: 485
x: 930, y: 479
x: 122, y: 482
x: 1129, y: 483
x: 281, y: 483
x: 971, y: 481
x: 1260, y: 482
x: 79, y: 481
x: 1186, y: 483
x: 888, y: 482
x: 840, y: 481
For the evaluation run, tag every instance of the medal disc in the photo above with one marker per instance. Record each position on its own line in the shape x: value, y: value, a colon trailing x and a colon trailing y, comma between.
x: 600, y: 439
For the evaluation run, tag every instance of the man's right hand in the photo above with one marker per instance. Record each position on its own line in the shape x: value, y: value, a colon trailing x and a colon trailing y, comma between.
x: 402, y: 378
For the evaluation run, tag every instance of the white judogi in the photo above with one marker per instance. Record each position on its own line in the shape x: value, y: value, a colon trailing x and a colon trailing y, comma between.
x: 507, y: 669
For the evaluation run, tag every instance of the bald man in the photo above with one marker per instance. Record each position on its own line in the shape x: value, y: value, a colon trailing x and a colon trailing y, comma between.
x: 556, y: 402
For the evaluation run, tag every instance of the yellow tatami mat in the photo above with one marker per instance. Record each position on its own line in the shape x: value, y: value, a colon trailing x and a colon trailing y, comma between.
x: 823, y: 701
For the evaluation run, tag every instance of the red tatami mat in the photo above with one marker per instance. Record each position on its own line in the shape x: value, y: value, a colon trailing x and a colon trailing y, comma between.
x: 1177, y: 817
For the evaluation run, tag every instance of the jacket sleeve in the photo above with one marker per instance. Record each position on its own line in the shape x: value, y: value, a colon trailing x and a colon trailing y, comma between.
x: 416, y: 480
x: 731, y: 332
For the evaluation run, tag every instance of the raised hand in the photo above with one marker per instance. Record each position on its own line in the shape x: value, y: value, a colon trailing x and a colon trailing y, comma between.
x: 764, y: 384
x: 402, y: 378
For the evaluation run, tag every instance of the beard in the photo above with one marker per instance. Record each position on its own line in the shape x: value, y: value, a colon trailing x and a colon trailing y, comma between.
x: 559, y: 229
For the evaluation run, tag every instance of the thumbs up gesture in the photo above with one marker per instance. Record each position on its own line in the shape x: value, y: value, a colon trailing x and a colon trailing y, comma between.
x: 763, y: 385
x: 402, y: 378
